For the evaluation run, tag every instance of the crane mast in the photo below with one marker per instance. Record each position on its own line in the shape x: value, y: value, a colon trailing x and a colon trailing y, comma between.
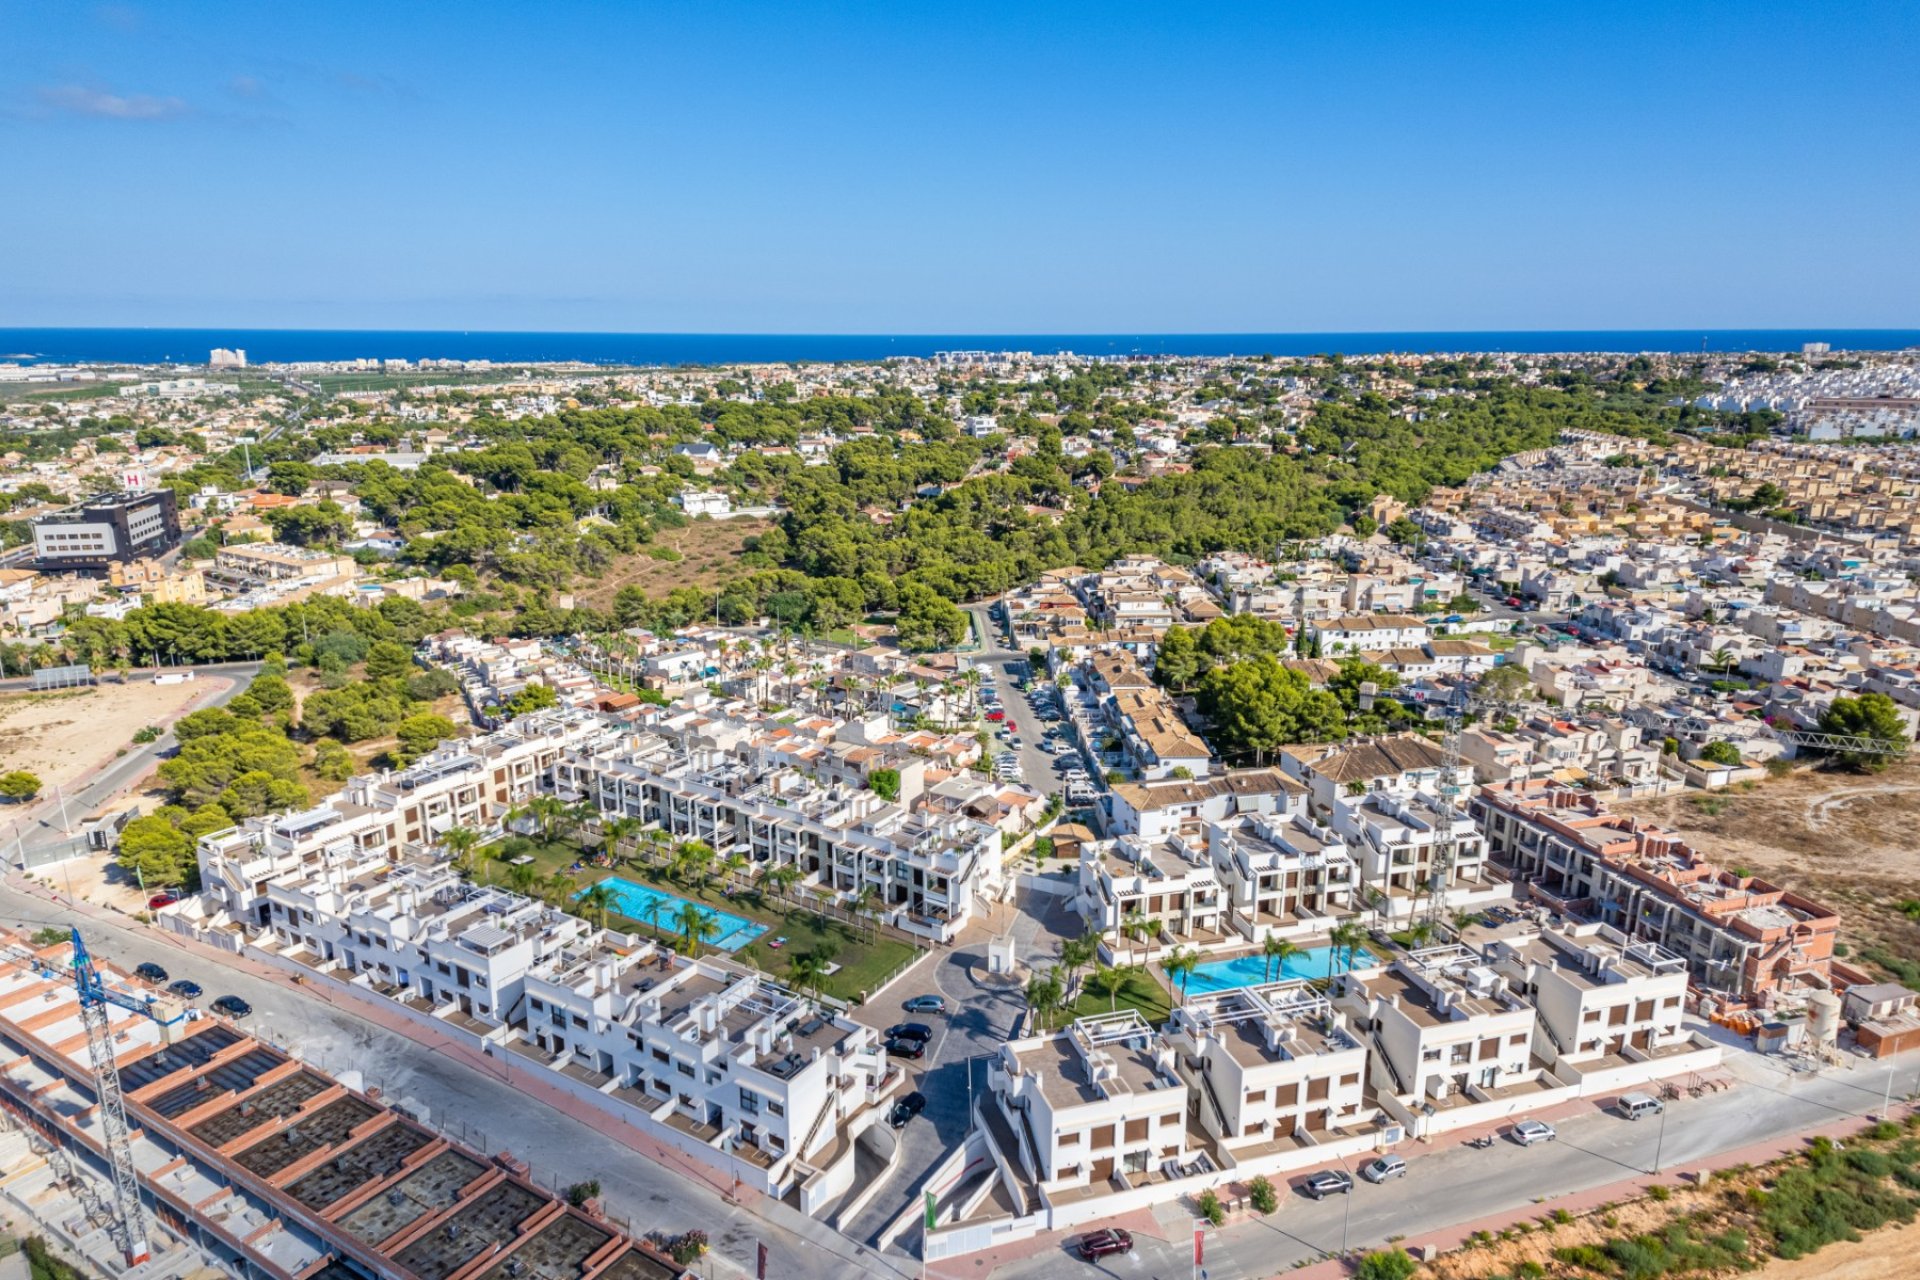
x: 129, y: 1218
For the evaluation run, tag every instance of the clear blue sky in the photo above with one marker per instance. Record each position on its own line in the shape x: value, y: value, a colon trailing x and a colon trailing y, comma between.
x: 961, y: 167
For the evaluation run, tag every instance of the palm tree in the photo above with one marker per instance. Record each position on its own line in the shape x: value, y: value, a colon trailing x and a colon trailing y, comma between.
x: 578, y: 814
x: 1420, y: 933
x: 1136, y: 928
x: 522, y: 878
x: 597, y: 899
x: 781, y: 878
x: 1112, y: 979
x: 1722, y: 660
x: 1045, y: 996
x: 806, y: 971
x: 1181, y: 965
x: 547, y: 811
x: 614, y: 830
x: 460, y: 842
x: 865, y: 903
x: 557, y: 888
x: 655, y: 904
x: 694, y: 858
x: 696, y: 927
x: 732, y: 867
x: 1344, y: 938
x: 1077, y: 953
x: 1277, y: 950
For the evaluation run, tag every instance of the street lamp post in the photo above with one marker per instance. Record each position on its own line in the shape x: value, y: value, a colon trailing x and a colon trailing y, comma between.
x: 1660, y: 1142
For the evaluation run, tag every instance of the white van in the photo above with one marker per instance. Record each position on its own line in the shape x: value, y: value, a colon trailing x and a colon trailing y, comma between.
x: 1635, y: 1105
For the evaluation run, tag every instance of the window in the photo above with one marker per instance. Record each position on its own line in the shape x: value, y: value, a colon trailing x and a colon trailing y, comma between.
x: 749, y: 1102
x: 774, y: 1108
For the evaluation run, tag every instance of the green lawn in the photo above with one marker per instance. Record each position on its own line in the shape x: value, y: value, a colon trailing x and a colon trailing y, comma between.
x: 1139, y: 992
x: 864, y: 963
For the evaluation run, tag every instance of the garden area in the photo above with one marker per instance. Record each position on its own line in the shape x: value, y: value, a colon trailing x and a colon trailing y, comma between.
x: 801, y: 945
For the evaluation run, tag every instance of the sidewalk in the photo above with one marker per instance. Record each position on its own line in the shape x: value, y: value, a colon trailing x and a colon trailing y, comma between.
x: 525, y: 1080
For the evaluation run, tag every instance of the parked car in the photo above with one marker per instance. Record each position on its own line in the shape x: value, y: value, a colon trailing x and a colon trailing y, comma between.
x: 909, y: 1031
x: 1381, y: 1168
x: 1635, y: 1105
x: 160, y: 900
x: 996, y: 713
x: 1531, y: 1132
x: 906, y: 1108
x: 910, y: 1049
x: 1096, y: 1245
x: 231, y: 1007
x: 1328, y: 1182
x: 186, y: 989
x: 149, y: 972
x: 925, y: 1004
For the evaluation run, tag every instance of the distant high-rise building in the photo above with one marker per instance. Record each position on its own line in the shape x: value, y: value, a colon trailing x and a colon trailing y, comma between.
x: 228, y: 358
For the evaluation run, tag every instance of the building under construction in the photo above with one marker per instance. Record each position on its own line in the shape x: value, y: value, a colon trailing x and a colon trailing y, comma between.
x: 274, y: 1168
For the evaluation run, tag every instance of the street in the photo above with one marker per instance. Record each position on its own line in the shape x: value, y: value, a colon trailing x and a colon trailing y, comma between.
x: 1450, y: 1183
x: 489, y: 1111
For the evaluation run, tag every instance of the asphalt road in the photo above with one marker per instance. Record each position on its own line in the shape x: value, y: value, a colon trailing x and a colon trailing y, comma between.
x: 982, y: 1014
x: 1003, y: 665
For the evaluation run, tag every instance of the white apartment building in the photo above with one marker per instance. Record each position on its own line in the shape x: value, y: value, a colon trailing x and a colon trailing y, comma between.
x: 1283, y: 873
x: 1098, y: 1105
x: 721, y: 1055
x: 1448, y: 1029
x: 1168, y: 884
x: 932, y: 872
x: 1275, y: 1067
x: 1599, y: 994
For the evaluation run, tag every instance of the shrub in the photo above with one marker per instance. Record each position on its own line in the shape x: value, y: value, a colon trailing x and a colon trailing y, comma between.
x: 581, y: 1192
x: 1389, y: 1264
x: 1561, y: 1217
x: 1264, y: 1197
x: 1660, y: 1193
x: 145, y: 734
x: 1590, y: 1257
x: 1210, y: 1207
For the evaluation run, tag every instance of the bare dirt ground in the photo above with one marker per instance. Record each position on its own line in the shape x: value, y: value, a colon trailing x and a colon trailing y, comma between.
x: 710, y: 554
x: 62, y: 735
x: 1891, y: 1252
x: 1849, y: 839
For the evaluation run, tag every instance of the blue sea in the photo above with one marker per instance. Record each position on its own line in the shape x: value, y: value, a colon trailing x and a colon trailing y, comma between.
x: 191, y: 346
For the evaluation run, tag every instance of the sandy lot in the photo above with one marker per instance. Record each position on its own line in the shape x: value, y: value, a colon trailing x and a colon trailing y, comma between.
x: 1845, y: 838
x: 61, y: 736
x: 1880, y: 1254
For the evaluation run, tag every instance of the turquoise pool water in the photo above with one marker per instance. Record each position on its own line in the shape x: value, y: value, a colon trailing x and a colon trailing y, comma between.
x: 1251, y: 971
x: 637, y: 902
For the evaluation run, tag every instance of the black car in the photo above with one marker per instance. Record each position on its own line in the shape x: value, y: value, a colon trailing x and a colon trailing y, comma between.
x: 1096, y: 1245
x: 186, y: 989
x: 150, y: 972
x: 906, y: 1109
x: 1328, y: 1182
x: 909, y: 1031
x: 231, y: 1007
x: 910, y: 1049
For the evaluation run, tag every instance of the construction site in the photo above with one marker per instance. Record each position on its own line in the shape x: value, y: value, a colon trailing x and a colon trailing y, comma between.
x: 157, y: 1143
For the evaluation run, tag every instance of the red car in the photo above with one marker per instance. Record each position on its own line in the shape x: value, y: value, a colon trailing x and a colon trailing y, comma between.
x: 996, y: 714
x: 160, y: 900
x: 1096, y: 1245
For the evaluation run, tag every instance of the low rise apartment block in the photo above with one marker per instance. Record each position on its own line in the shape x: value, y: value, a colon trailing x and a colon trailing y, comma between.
x: 1743, y: 939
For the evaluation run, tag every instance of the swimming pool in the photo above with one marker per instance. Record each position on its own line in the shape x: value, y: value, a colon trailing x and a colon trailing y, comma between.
x: 1252, y: 970
x: 644, y: 905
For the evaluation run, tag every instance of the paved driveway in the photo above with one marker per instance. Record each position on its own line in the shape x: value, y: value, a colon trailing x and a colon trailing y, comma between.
x: 982, y: 1012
